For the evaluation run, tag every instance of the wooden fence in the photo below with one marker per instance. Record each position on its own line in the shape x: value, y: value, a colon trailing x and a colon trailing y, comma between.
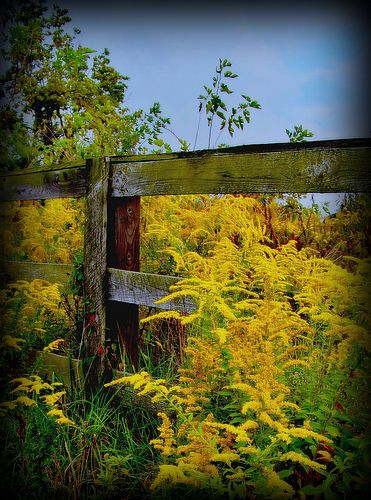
x: 114, y: 285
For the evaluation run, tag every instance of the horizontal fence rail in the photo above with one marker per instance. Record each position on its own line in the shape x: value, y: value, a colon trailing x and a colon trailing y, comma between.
x: 318, y: 167
x: 145, y: 289
x: 123, y: 286
x: 112, y: 186
x: 28, y: 271
x: 67, y: 180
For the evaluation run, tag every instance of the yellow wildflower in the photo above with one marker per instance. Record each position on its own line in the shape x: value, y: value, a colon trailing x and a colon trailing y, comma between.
x: 302, y: 459
x: 236, y: 476
x: 284, y: 437
x: 249, y: 450
x: 66, y: 421
x: 22, y: 380
x: 249, y: 425
x: 55, y: 412
x: 250, y: 405
x: 224, y: 457
x: 52, y: 399
x: 168, y: 474
x: 304, y: 433
x: 25, y: 400
x: 324, y: 455
x: 274, y: 424
x: 166, y: 442
x: 8, y: 405
x: 221, y: 334
x: 13, y: 342
x: 55, y: 345
x: 279, y: 489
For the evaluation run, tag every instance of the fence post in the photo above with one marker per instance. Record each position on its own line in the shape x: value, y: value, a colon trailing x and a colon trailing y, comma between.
x: 123, y: 253
x: 95, y: 269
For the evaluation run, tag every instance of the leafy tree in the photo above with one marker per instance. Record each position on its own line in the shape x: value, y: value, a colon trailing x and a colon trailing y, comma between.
x: 58, y: 104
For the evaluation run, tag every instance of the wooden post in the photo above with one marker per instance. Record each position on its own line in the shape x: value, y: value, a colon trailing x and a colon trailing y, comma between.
x: 124, y: 215
x: 95, y: 270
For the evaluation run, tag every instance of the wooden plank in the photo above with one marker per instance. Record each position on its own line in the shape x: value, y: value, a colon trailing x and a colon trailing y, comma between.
x: 145, y: 289
x: 54, y: 273
x: 52, y: 366
x: 124, y: 254
x: 125, y: 251
x: 320, y: 167
x: 63, y: 181
x: 271, y: 147
x: 95, y: 265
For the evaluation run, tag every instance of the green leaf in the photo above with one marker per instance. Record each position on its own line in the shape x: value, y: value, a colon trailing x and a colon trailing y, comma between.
x: 311, y: 490
x: 223, y: 393
x: 238, y: 420
x: 284, y: 473
x: 229, y: 74
x: 225, y: 88
x: 333, y: 431
x: 221, y: 115
x: 255, y: 104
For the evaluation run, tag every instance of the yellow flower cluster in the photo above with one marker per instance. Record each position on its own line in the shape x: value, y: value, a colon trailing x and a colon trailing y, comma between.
x: 55, y: 345
x: 166, y: 442
x: 276, y: 487
x: 33, y: 386
x: 27, y: 306
x: 260, y: 310
x: 48, y: 232
x: 12, y: 342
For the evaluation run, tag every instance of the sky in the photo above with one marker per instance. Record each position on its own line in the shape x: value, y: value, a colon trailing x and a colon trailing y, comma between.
x: 304, y: 65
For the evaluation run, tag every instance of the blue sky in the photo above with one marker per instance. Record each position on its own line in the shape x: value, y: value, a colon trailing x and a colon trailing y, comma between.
x: 302, y: 65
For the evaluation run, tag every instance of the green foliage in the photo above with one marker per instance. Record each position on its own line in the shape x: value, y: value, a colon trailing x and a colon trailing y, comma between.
x: 275, y: 363
x: 298, y: 134
x: 97, y: 457
x: 149, y: 127
x: 70, y: 107
x: 58, y: 103
x: 215, y: 107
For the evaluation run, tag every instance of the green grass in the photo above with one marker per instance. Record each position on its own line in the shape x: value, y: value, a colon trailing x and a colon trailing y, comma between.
x: 106, y: 454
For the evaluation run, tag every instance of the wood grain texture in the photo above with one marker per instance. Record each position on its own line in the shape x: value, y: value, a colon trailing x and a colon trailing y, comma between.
x: 124, y: 218
x: 63, y: 181
x: 68, y: 370
x: 28, y: 271
x: 95, y: 263
x: 126, y: 214
x: 272, y: 147
x: 145, y: 289
x: 331, y: 166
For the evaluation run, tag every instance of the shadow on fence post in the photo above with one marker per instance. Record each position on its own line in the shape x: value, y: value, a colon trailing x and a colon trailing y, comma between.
x: 124, y: 215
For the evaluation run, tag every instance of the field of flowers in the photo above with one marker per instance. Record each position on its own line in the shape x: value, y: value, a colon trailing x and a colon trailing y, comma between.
x: 261, y: 392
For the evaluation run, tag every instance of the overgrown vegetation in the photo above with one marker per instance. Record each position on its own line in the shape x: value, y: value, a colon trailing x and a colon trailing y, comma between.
x: 261, y: 392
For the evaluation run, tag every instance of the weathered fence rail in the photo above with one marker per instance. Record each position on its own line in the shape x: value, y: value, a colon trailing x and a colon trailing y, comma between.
x: 114, y: 285
x: 317, y: 166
